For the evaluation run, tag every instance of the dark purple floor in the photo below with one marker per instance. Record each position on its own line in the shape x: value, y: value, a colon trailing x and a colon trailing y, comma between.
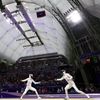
x: 17, y: 95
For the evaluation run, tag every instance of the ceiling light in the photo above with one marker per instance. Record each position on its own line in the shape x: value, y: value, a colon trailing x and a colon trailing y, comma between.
x: 74, y: 17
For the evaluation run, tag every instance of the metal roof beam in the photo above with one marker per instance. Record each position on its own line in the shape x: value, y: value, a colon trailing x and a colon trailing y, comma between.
x: 29, y: 21
x: 25, y: 38
x: 1, y: 5
x: 16, y: 24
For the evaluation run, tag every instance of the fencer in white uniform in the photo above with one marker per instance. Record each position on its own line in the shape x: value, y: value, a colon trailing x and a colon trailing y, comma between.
x: 71, y: 84
x: 29, y: 81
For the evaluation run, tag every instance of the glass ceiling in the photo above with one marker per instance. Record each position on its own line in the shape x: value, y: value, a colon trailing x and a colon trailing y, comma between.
x: 23, y: 32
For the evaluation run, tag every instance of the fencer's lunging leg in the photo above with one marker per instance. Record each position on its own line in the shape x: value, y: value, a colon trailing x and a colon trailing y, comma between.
x: 81, y: 92
x: 66, y: 91
x: 24, y: 92
x: 33, y: 89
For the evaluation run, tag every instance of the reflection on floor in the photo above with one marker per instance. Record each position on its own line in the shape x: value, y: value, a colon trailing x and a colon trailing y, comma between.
x: 16, y: 96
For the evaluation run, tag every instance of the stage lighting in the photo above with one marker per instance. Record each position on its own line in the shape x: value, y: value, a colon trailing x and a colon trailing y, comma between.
x: 74, y: 17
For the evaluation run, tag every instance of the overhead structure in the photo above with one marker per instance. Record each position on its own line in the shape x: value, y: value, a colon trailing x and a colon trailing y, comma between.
x: 93, y: 6
x: 31, y: 27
